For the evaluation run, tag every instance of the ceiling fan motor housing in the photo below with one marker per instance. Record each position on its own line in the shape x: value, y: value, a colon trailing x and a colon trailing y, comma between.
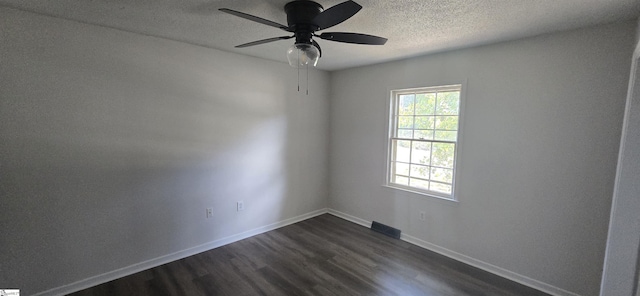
x: 300, y: 15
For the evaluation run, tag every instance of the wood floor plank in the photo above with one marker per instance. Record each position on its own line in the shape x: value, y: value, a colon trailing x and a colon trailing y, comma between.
x: 324, y: 255
x: 253, y: 279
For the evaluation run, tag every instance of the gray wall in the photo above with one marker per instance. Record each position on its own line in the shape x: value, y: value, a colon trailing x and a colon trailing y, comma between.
x: 622, y: 257
x: 541, y: 133
x: 113, y: 144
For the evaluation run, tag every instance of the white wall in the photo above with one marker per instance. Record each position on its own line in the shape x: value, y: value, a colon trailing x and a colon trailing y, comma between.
x: 113, y: 144
x: 622, y: 259
x: 542, y: 125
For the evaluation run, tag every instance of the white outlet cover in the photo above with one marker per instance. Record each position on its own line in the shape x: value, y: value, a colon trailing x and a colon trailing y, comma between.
x: 240, y: 206
x: 209, y: 212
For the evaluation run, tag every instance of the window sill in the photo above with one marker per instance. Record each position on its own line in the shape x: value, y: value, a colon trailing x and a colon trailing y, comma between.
x: 422, y: 193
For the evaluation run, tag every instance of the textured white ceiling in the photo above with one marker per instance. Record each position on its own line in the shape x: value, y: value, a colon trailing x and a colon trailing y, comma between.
x: 413, y: 27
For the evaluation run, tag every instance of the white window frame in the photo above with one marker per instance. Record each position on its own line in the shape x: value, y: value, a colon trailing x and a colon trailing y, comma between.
x: 393, y: 105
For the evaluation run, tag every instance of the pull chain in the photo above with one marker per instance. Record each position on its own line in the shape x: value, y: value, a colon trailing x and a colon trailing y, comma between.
x: 307, y: 70
x: 298, y: 68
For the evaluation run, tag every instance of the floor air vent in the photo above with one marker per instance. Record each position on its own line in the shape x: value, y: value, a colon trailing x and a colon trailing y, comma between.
x: 386, y: 230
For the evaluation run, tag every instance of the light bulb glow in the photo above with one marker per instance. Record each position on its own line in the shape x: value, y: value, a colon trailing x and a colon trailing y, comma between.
x: 301, y: 54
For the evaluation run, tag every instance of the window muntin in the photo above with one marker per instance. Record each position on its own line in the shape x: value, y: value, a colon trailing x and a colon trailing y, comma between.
x: 423, y: 140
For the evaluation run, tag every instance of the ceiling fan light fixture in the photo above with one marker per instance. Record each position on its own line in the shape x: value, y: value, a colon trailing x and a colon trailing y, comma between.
x: 302, y: 54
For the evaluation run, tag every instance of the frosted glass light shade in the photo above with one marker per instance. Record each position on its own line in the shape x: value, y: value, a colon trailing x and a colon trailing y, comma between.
x: 301, y: 54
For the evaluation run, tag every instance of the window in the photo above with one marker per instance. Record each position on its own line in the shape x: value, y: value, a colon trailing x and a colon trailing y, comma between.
x: 423, y: 139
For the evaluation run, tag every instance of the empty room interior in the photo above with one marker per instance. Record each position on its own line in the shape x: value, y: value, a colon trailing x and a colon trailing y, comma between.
x: 496, y: 143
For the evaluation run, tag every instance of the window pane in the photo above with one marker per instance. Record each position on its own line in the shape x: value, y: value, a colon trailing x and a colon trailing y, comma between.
x: 401, y: 150
x: 447, y: 103
x: 420, y: 171
x: 423, y: 134
x: 419, y: 184
x: 401, y: 180
x: 440, y: 187
x: 402, y: 169
x: 443, y: 175
x: 447, y: 123
x: 423, y: 143
x: 406, y: 104
x: 425, y: 104
x: 421, y: 153
x: 424, y: 122
x: 443, y: 154
x: 405, y: 121
x: 446, y: 136
x: 405, y: 133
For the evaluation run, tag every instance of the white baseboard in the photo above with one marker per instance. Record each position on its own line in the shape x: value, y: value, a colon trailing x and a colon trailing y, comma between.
x: 350, y: 218
x: 527, y: 281
x: 131, y: 269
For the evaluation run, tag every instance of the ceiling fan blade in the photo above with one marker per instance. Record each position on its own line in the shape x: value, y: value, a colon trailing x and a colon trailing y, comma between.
x: 255, y: 19
x: 353, y: 38
x: 317, y: 46
x: 264, y: 41
x: 336, y: 14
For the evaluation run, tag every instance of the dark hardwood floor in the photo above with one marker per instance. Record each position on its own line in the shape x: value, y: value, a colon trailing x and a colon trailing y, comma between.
x: 324, y: 255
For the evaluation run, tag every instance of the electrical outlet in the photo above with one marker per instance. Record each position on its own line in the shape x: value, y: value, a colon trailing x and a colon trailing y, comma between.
x: 240, y: 206
x: 423, y: 216
x: 209, y: 213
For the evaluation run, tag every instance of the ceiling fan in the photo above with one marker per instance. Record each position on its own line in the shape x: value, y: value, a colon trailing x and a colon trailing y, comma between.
x: 304, y: 18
